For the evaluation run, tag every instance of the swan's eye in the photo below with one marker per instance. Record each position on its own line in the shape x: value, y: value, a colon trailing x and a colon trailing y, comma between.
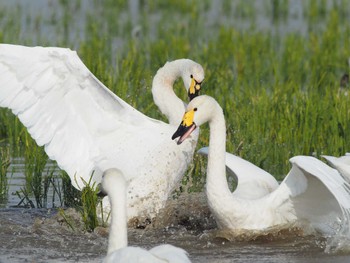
x: 195, y: 109
x: 191, y: 76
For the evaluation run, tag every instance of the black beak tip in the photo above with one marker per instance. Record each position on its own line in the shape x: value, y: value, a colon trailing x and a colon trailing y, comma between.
x: 176, y: 134
x: 191, y: 96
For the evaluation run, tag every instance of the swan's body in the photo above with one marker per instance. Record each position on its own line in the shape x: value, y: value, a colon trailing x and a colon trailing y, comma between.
x: 87, y: 129
x: 342, y: 164
x: 114, y: 184
x: 312, y: 192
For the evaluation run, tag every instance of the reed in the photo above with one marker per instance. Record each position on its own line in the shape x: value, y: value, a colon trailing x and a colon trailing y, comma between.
x: 90, y: 201
x: 40, y: 178
x: 5, y: 162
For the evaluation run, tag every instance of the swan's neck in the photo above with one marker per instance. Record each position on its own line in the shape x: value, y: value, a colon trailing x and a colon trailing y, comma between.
x: 118, y: 235
x: 163, y: 94
x: 216, y: 186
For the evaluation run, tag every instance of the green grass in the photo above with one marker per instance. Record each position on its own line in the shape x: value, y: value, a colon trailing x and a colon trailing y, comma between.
x: 5, y: 162
x: 279, y: 89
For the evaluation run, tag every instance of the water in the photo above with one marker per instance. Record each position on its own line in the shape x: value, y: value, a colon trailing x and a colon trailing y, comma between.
x: 17, y: 182
x: 40, y: 235
x: 43, y: 22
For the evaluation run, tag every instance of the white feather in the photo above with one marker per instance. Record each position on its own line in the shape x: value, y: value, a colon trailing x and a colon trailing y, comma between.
x: 342, y: 164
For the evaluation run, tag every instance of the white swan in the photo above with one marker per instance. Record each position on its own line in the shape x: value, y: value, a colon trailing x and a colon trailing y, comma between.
x: 87, y: 129
x: 312, y: 193
x: 342, y: 164
x: 114, y: 184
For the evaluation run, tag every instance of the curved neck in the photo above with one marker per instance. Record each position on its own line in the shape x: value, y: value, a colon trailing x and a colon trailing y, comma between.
x: 217, y: 186
x: 118, y: 235
x: 163, y: 93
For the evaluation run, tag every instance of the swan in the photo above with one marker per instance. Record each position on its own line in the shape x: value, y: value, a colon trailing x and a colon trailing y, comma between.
x: 312, y: 194
x: 114, y: 184
x: 87, y: 129
x: 342, y: 164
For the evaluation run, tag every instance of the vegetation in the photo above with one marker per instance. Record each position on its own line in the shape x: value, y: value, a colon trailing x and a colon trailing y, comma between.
x: 4, y: 164
x: 279, y: 84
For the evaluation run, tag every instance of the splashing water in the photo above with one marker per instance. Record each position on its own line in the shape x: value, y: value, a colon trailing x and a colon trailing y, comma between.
x: 340, y: 241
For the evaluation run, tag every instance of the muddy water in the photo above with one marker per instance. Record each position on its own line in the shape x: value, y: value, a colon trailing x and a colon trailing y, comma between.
x: 40, y: 235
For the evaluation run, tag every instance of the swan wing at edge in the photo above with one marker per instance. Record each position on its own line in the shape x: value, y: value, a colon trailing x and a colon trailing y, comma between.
x: 318, y: 193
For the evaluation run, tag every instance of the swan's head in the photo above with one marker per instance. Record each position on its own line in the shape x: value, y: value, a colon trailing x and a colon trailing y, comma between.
x: 193, y: 76
x: 112, y: 179
x: 199, y: 111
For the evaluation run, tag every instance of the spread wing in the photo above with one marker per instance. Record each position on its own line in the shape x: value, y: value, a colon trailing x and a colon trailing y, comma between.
x: 318, y: 193
x: 83, y: 125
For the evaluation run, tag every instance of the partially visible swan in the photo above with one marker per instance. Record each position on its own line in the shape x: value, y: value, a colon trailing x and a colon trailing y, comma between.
x: 114, y: 184
x: 342, y: 164
x: 87, y: 129
x: 312, y: 193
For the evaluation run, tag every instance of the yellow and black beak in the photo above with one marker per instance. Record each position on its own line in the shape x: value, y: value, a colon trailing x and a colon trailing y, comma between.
x: 186, y: 127
x: 194, y: 89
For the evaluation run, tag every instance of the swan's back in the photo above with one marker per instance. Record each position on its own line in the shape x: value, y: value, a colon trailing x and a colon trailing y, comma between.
x: 132, y: 255
x: 171, y: 253
x: 160, y: 254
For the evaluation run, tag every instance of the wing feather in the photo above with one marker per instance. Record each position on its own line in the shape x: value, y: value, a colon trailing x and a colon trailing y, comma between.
x: 66, y: 108
x: 342, y: 164
x: 318, y: 193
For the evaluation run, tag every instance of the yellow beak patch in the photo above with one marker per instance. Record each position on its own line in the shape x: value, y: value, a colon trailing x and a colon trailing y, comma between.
x: 195, y: 86
x: 187, y: 120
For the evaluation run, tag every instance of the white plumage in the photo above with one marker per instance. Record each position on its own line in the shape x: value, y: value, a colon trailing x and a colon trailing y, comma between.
x: 114, y: 185
x: 312, y: 193
x: 86, y: 128
x: 342, y: 164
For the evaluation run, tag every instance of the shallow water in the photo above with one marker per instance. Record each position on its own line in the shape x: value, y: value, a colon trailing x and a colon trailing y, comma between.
x: 16, y: 182
x: 40, y: 235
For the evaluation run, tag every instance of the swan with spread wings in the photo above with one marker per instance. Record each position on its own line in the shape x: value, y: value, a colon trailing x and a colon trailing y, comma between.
x: 87, y: 129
